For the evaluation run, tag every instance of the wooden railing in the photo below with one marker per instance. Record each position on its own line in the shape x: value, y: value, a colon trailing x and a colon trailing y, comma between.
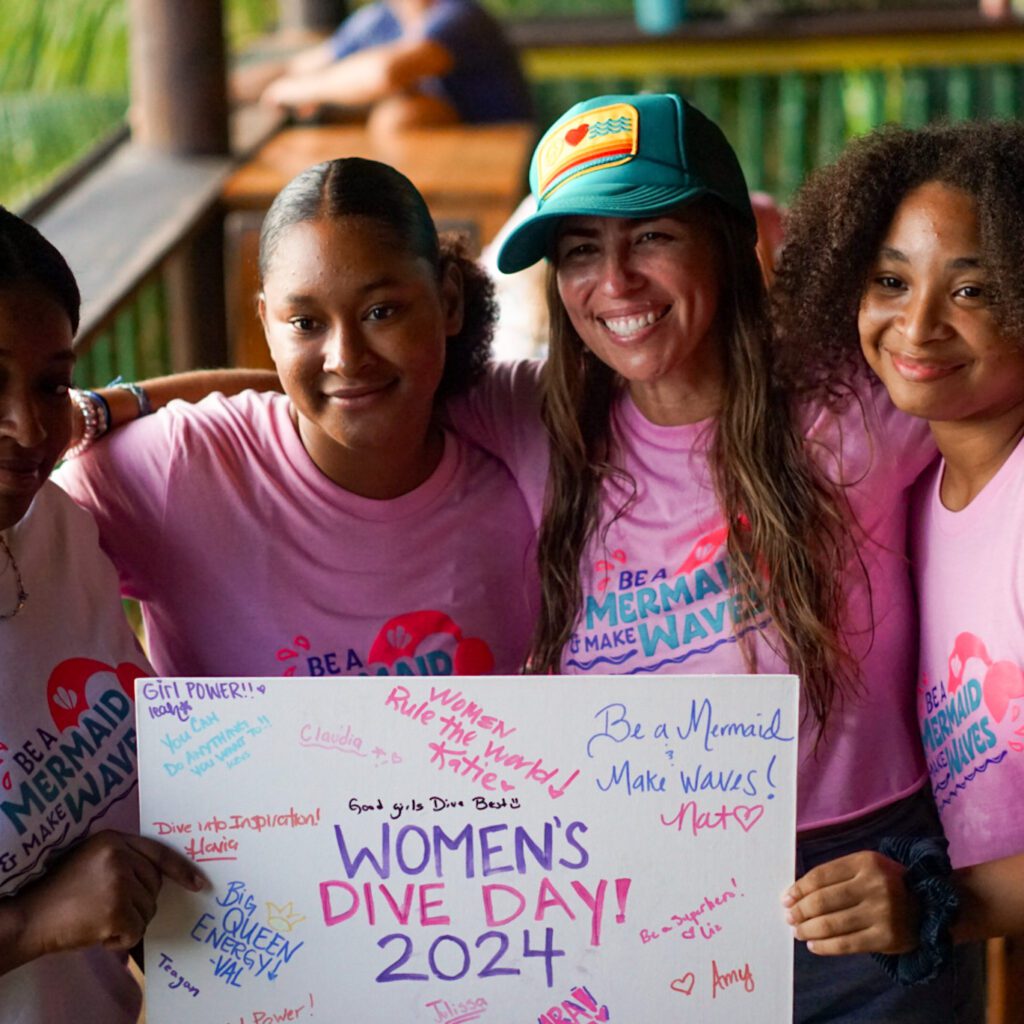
x: 123, y: 229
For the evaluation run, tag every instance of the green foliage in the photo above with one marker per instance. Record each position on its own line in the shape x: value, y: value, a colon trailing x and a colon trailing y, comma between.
x: 61, y: 44
x: 64, y: 81
x: 247, y: 20
x: 41, y: 134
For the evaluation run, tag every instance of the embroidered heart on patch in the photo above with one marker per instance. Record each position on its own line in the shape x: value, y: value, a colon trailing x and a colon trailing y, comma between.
x: 748, y: 817
x: 684, y: 985
x: 574, y: 136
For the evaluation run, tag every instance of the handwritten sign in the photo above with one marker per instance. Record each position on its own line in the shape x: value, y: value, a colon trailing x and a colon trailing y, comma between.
x: 452, y: 850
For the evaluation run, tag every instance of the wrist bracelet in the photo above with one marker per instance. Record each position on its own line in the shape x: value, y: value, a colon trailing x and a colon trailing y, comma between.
x: 102, y: 411
x: 928, y: 879
x: 145, y: 406
x: 88, y: 408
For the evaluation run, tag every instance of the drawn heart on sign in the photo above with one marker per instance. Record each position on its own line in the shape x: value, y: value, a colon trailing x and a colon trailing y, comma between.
x: 574, y: 136
x: 684, y: 985
x: 506, y: 786
x: 748, y: 817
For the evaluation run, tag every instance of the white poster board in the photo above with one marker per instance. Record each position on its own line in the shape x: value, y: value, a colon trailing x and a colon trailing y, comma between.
x: 449, y: 850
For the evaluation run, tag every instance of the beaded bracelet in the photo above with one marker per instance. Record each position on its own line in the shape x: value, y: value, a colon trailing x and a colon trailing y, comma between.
x: 145, y: 406
x: 88, y: 405
x: 928, y: 879
x: 102, y: 411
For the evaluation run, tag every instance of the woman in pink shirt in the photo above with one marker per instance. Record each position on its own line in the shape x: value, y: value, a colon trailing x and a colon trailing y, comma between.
x: 697, y: 517
x: 914, y: 238
x: 337, y: 529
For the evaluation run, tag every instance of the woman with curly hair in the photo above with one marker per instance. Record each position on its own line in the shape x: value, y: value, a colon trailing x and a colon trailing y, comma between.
x: 694, y: 515
x: 335, y: 529
x: 913, y: 242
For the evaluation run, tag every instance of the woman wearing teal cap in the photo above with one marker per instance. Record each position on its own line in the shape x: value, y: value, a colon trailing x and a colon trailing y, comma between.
x: 696, y: 517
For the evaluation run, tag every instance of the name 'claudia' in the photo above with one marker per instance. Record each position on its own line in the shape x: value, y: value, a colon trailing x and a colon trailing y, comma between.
x: 340, y: 738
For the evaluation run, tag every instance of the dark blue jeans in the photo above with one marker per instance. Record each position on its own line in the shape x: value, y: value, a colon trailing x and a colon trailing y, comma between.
x: 854, y: 989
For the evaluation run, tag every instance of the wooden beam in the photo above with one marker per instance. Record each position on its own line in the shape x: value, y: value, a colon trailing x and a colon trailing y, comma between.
x: 313, y: 15
x: 124, y: 221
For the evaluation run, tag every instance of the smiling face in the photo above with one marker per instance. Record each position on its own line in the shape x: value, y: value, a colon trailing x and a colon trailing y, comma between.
x: 36, y: 359
x: 926, y: 320
x: 357, y: 329
x: 643, y: 297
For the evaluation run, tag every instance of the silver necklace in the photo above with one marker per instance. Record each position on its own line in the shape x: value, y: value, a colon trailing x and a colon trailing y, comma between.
x: 22, y: 595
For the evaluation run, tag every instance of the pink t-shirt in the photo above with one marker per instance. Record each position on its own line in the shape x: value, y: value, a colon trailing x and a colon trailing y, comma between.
x: 656, y: 583
x: 249, y: 561
x: 969, y: 569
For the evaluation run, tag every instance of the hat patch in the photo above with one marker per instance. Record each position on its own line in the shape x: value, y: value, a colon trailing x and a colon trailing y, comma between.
x: 598, y: 138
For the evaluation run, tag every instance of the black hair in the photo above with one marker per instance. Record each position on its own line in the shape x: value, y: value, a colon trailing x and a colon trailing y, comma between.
x: 27, y: 257
x: 354, y: 187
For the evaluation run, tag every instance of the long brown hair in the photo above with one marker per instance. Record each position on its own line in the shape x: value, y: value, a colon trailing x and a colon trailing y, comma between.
x: 788, y: 540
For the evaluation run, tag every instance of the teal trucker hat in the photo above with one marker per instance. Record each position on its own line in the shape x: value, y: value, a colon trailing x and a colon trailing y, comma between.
x: 624, y: 156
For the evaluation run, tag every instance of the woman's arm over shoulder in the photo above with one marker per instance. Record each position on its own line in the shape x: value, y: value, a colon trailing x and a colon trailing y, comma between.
x: 906, y: 440
x: 135, y: 479
x: 863, y: 438
x: 123, y: 481
x: 126, y: 405
x: 501, y: 413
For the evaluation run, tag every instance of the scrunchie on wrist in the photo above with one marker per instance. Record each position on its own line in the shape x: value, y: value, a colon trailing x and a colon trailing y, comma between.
x: 928, y: 878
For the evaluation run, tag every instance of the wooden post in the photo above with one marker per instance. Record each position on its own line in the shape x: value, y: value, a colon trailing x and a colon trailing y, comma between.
x: 179, y: 91
x: 180, y: 108
x: 313, y: 15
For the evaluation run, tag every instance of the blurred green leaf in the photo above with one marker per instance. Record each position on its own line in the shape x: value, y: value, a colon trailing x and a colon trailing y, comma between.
x: 64, y: 81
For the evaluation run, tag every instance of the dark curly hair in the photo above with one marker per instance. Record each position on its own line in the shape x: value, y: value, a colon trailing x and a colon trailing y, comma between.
x: 841, y: 216
x: 354, y: 187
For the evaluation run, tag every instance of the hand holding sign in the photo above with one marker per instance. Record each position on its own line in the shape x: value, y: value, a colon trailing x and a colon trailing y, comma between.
x: 104, y: 891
